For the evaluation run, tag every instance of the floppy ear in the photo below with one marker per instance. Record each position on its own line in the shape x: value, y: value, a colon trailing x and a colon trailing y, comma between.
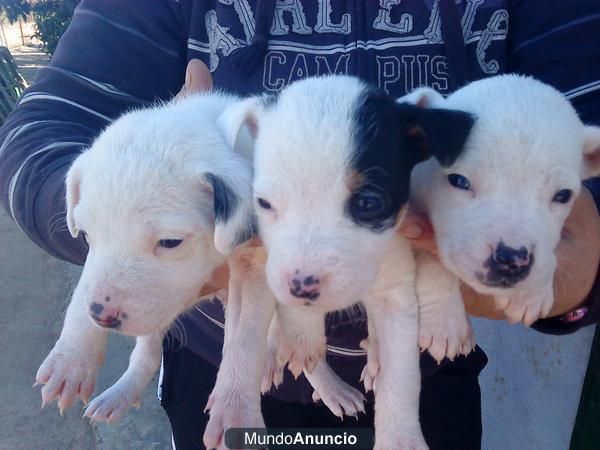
x: 240, y: 114
x: 424, y: 97
x: 73, y: 182
x: 591, y: 152
x: 231, y: 186
x: 437, y: 132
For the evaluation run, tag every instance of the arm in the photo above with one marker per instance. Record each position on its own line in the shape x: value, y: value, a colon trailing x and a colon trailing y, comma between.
x: 115, y: 55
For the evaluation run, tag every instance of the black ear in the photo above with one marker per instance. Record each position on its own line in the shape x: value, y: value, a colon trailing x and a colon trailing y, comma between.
x: 438, y: 132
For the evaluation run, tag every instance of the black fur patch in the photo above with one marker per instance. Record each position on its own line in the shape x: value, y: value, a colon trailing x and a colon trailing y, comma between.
x: 391, y: 138
x: 224, y: 199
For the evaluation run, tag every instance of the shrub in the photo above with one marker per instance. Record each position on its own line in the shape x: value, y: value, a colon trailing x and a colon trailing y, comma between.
x: 52, y: 17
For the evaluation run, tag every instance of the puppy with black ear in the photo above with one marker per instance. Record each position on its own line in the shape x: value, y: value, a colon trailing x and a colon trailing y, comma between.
x: 161, y: 200
x: 332, y: 164
x: 498, y: 211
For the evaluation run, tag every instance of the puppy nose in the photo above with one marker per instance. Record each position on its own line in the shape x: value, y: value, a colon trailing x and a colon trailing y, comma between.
x: 105, y: 316
x: 510, y: 262
x: 304, y: 286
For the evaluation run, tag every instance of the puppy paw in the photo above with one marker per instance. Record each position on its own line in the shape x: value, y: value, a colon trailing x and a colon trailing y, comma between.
x: 446, y: 332
x: 302, y: 353
x: 113, y: 403
x: 272, y: 375
x: 230, y: 408
x: 341, y: 398
x: 526, y: 307
x: 68, y: 372
x: 369, y: 373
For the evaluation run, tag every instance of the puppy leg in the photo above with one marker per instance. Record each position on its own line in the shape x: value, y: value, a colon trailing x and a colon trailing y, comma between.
x: 399, y: 378
x: 273, y: 373
x: 70, y: 368
x: 393, y: 310
x: 528, y: 306
x: 235, y: 399
x: 444, y: 327
x: 338, y: 396
x: 303, y: 342
x: 125, y: 393
x: 371, y: 369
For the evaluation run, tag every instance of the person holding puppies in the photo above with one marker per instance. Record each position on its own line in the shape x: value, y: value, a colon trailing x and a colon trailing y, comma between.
x: 118, y: 55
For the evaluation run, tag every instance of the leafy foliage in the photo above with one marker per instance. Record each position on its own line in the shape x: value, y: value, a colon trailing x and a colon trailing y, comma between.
x: 15, y: 9
x: 52, y: 17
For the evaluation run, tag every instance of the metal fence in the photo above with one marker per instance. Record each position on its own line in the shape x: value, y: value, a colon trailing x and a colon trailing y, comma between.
x: 12, y: 83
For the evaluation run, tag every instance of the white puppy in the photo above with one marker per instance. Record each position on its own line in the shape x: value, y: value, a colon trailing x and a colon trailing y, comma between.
x: 160, y: 198
x: 332, y: 170
x: 499, y: 209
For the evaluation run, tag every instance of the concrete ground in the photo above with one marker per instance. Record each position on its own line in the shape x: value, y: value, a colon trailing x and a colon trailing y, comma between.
x: 34, y: 293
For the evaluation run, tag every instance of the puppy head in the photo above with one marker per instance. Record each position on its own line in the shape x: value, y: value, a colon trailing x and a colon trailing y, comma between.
x: 499, y: 209
x: 332, y: 165
x: 156, y: 198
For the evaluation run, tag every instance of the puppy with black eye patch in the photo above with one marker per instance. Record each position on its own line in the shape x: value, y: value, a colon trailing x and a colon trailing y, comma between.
x: 332, y: 164
x: 162, y: 201
x: 498, y: 211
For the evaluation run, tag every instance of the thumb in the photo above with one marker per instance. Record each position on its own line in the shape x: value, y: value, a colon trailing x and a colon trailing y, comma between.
x: 197, y: 79
x: 419, y: 230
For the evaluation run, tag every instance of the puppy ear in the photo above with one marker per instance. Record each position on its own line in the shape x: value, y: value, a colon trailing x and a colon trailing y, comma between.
x: 240, y: 114
x: 438, y: 132
x: 423, y: 97
x: 232, y: 199
x: 591, y: 152
x: 73, y: 183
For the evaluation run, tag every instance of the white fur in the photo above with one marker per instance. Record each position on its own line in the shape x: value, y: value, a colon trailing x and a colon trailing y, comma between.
x: 301, y: 164
x: 143, y: 180
x: 527, y: 143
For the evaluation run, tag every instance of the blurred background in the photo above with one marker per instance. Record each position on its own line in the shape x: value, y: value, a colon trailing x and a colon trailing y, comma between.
x: 531, y: 389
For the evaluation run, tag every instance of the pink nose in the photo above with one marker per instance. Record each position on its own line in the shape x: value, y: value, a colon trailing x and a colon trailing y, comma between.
x: 304, y: 286
x: 106, y: 316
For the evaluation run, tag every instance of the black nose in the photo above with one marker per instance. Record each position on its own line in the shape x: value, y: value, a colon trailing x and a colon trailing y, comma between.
x: 304, y: 286
x: 510, y: 263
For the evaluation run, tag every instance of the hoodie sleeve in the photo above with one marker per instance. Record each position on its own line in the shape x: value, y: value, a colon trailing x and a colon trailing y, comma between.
x: 556, y: 42
x: 115, y: 55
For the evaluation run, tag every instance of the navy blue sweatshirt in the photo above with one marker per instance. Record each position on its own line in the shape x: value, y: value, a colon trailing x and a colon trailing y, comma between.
x: 120, y: 54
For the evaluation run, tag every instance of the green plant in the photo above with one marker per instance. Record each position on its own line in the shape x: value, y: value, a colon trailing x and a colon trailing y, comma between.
x: 52, y: 17
x: 15, y: 9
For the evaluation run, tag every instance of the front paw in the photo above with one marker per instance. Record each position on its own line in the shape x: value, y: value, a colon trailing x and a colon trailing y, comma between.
x: 113, y: 403
x: 371, y: 370
x: 446, y: 331
x: 341, y: 398
x: 526, y: 307
x: 273, y: 373
x: 69, y: 372
x: 230, y: 408
x: 302, y: 353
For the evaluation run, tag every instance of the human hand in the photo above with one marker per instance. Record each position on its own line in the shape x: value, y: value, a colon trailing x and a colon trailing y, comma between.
x: 418, y: 229
x: 197, y: 79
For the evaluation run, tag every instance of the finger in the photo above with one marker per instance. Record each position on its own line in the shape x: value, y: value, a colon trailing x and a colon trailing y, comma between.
x: 419, y: 230
x: 197, y: 79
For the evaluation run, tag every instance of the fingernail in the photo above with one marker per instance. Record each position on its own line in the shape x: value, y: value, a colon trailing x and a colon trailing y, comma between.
x: 412, y: 231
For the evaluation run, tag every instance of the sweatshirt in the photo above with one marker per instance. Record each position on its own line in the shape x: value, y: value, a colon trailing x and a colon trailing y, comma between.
x: 122, y: 54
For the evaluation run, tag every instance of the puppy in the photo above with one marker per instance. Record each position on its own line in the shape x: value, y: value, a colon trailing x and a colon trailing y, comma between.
x: 499, y: 209
x: 160, y: 199
x: 333, y: 159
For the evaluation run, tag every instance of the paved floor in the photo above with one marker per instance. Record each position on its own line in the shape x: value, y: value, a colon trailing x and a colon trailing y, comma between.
x: 34, y: 290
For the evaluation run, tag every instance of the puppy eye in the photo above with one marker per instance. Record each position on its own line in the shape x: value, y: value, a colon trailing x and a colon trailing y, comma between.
x: 367, y: 206
x: 459, y: 181
x: 263, y: 203
x: 169, y: 243
x: 563, y: 196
